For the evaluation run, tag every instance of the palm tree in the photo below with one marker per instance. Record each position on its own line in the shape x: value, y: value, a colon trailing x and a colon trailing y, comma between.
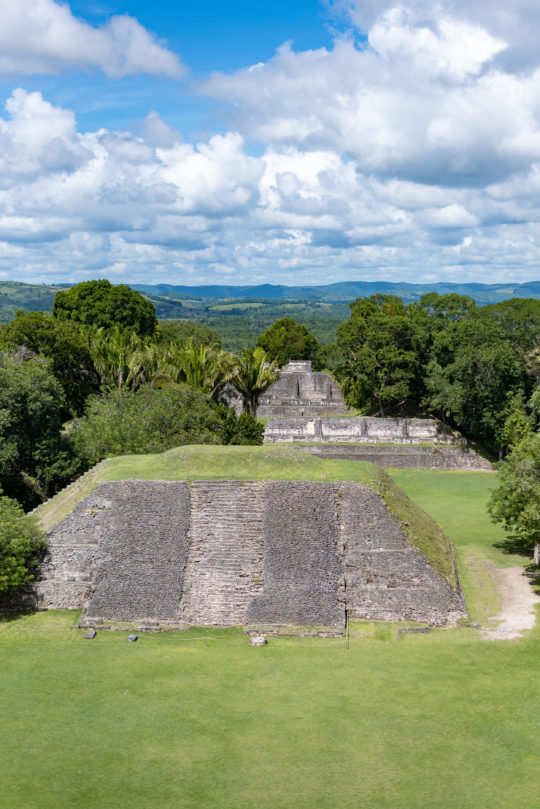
x: 254, y: 374
x: 113, y: 353
x: 205, y: 367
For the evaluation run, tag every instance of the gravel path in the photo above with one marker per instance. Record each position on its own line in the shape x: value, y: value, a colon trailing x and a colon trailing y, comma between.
x: 518, y: 602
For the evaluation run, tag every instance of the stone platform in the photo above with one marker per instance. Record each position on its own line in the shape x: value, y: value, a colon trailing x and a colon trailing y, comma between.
x: 406, y: 456
x: 360, y: 430
x: 239, y: 552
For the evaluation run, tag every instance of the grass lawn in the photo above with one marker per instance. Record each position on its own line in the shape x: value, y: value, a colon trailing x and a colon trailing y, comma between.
x: 438, y: 721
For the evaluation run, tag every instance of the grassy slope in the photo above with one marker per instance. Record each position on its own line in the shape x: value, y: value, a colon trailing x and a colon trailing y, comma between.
x: 274, y: 462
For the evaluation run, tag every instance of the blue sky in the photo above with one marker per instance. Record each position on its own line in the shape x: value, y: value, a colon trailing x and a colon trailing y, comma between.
x: 286, y: 142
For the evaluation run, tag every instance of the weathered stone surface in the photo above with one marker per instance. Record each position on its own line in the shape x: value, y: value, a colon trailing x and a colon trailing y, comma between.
x: 143, y: 549
x: 385, y: 577
x: 301, y: 565
x: 232, y: 552
x: 224, y: 565
x: 300, y: 391
x: 360, y: 430
x: 258, y: 640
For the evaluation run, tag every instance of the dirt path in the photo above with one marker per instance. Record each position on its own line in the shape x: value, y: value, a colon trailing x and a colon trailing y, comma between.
x: 518, y: 601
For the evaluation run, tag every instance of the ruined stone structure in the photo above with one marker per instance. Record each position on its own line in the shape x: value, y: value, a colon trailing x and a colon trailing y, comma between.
x: 239, y: 552
x: 404, y: 456
x: 360, y: 430
x: 300, y: 391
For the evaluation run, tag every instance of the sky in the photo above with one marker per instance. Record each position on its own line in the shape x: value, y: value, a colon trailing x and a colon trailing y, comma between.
x: 297, y: 142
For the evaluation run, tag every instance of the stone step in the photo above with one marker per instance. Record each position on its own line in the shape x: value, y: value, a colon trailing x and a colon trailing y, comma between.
x: 224, y: 565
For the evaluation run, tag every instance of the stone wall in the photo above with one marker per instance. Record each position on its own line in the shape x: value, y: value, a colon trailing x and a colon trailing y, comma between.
x: 224, y: 553
x: 405, y: 456
x: 360, y: 430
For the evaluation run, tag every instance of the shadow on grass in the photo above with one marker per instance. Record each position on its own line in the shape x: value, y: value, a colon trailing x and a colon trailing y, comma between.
x: 533, y: 574
x: 14, y: 615
x: 514, y: 544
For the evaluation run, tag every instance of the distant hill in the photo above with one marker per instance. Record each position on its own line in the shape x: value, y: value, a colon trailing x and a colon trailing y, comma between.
x: 345, y: 291
x: 179, y: 301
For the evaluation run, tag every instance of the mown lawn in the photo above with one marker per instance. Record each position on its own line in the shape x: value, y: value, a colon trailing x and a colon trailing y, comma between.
x: 437, y: 721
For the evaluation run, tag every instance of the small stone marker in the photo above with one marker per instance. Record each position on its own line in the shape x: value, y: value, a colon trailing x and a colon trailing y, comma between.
x: 90, y: 635
x: 132, y: 638
x: 258, y: 640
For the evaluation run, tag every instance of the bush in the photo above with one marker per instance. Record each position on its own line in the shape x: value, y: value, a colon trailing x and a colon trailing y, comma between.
x: 148, y: 420
x: 20, y: 542
x: 244, y: 429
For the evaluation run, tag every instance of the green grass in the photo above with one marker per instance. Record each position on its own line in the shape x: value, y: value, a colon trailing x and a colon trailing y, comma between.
x: 458, y: 501
x: 438, y: 721
x: 269, y: 462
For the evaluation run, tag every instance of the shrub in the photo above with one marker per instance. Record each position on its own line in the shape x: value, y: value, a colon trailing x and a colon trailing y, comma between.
x: 20, y: 542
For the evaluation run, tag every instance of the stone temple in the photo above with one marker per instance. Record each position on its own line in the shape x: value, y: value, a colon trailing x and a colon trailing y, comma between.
x: 300, y: 391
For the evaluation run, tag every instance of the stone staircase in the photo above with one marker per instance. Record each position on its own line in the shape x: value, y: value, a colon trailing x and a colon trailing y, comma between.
x: 224, y: 569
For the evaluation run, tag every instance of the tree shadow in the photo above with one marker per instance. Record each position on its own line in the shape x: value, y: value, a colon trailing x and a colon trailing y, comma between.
x: 514, y: 544
x: 8, y: 616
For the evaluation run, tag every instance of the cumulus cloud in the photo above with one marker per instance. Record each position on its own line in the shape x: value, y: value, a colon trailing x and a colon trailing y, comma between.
x: 412, y: 154
x: 43, y: 36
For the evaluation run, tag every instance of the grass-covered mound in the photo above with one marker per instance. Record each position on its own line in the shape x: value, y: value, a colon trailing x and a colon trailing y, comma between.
x: 274, y: 462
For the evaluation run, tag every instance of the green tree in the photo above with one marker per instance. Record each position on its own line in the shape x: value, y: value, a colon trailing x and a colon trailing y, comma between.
x: 148, y: 420
x: 123, y: 358
x: 180, y: 331
x: 35, y: 458
x: 288, y: 340
x: 516, y: 424
x: 445, y: 309
x: 66, y: 349
x: 20, y: 543
x: 516, y: 501
x: 253, y: 375
x: 100, y: 304
x: 475, y: 369
x: 381, y: 346
x: 205, y: 367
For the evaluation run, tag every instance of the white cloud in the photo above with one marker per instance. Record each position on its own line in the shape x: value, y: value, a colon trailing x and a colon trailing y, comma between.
x: 43, y: 36
x: 450, y: 48
x: 415, y: 155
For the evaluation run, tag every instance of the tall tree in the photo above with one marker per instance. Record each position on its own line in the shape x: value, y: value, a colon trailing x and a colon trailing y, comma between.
x: 478, y: 367
x: 288, y: 340
x: 35, y: 457
x: 66, y: 349
x: 381, y: 346
x: 100, y: 304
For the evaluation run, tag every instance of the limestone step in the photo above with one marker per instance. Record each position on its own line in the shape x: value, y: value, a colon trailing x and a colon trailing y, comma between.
x: 225, y: 558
